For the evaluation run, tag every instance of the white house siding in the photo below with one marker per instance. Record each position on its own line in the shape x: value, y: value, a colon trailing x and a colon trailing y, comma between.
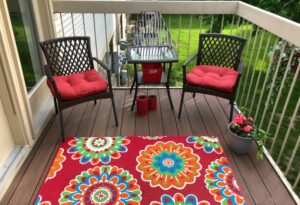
x: 7, y: 143
x: 88, y: 24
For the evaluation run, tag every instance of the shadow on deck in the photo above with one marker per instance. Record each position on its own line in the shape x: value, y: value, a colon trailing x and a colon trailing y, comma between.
x: 204, y: 115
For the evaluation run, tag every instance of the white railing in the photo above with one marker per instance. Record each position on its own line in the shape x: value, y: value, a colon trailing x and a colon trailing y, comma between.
x: 269, y: 88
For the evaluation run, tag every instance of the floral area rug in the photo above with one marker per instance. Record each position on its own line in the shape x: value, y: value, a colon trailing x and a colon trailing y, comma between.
x: 150, y: 170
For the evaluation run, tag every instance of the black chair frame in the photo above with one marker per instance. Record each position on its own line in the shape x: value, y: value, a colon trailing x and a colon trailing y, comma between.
x: 80, y: 61
x: 236, y: 64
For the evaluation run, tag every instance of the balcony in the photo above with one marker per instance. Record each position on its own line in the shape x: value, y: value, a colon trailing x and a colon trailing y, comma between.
x: 269, y: 89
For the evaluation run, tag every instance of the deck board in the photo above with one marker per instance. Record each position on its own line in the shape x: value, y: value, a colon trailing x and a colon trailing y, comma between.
x: 28, y: 184
x: 183, y: 124
x: 202, y: 115
x: 271, y: 180
x: 155, y: 117
x: 255, y: 184
x: 128, y: 120
x: 168, y: 116
x: 195, y: 118
x: 211, y: 124
x: 142, y: 122
x: 112, y: 129
x: 101, y: 122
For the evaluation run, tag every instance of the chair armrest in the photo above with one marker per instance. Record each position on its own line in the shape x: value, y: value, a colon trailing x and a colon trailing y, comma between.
x: 190, y: 59
x: 103, y: 65
x: 108, y: 70
x: 48, y: 73
x: 240, y: 68
x: 51, y: 80
x: 184, y: 65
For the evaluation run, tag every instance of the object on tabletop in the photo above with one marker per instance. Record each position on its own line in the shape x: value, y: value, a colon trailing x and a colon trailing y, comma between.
x: 142, y: 105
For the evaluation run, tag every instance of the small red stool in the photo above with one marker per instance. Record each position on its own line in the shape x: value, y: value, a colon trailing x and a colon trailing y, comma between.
x: 152, y: 102
x: 142, y: 105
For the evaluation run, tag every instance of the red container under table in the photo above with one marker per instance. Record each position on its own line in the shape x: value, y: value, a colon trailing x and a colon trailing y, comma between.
x: 152, y: 72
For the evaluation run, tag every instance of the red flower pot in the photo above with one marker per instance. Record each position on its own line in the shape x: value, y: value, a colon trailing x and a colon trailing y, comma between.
x: 152, y: 72
x: 142, y: 105
x: 152, y: 102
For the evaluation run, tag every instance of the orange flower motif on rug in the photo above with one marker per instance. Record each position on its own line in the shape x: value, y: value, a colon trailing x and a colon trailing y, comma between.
x: 221, y: 183
x: 102, y: 185
x: 168, y: 165
x: 57, y: 164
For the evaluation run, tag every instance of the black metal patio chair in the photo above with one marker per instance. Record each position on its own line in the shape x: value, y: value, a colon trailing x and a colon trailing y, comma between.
x: 218, y: 68
x: 71, y: 76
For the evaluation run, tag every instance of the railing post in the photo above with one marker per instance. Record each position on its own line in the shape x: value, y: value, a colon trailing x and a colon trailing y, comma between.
x: 266, y: 78
x: 237, y: 26
x: 272, y: 85
x: 211, y: 23
x: 260, y: 71
x: 232, y: 23
x: 287, y: 69
x: 249, y: 66
x: 242, y: 27
x: 189, y: 41
x: 247, y: 51
x: 291, y: 158
x: 255, y: 64
x: 222, y: 24
x: 284, y: 111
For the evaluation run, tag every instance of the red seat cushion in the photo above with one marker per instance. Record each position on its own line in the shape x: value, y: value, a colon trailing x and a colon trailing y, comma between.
x: 79, y: 84
x: 213, y: 77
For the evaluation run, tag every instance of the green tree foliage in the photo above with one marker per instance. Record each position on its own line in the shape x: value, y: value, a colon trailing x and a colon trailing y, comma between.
x: 286, y: 8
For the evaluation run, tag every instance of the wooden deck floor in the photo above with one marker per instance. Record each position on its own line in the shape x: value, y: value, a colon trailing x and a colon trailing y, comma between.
x: 204, y: 115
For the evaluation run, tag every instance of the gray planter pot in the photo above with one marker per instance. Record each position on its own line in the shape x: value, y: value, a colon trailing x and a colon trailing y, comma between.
x: 240, y: 145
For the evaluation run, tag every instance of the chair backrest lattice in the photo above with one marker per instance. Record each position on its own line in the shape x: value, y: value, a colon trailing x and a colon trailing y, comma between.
x: 68, y: 55
x: 220, y: 50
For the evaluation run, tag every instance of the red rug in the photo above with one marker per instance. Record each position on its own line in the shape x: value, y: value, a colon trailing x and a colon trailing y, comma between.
x: 146, y: 170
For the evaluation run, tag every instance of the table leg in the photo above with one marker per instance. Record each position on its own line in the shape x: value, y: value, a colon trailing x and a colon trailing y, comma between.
x: 135, y: 95
x: 136, y: 86
x: 168, y: 86
x: 134, y: 81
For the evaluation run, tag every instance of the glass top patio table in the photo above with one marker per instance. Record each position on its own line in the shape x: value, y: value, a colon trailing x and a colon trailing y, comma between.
x: 151, y: 54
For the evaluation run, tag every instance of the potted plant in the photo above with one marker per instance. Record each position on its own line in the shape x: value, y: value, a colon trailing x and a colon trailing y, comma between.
x: 242, y: 134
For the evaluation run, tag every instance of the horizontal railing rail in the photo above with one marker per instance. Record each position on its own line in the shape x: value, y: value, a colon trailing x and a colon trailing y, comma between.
x: 273, y: 23
x: 270, y: 84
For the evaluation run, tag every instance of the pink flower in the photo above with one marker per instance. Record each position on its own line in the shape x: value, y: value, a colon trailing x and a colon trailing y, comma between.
x: 247, y: 128
x: 239, y: 119
x: 250, y: 119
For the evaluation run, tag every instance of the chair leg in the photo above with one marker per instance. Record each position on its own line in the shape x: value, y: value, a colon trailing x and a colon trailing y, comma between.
x: 131, y: 88
x: 169, y: 96
x: 95, y: 102
x: 194, y: 95
x: 231, y: 110
x: 115, y: 111
x: 181, y: 103
x: 62, y: 125
x: 55, y: 105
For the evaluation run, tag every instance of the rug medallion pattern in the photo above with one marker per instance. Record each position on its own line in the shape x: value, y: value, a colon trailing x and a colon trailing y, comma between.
x: 150, y: 170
